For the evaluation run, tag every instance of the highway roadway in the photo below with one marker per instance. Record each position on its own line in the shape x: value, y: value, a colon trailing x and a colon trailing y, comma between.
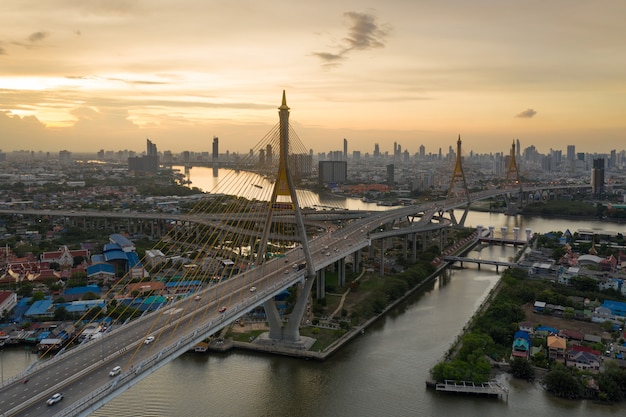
x: 81, y: 374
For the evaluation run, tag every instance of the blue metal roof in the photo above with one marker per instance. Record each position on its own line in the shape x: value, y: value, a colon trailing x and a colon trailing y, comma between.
x: 121, y: 240
x: 82, y: 306
x: 82, y: 290
x: 39, y: 308
x: 115, y: 255
x: 94, y: 269
x: 133, y: 259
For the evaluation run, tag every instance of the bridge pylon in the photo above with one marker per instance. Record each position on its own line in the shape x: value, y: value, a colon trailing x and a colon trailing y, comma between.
x: 455, y: 192
x: 512, y: 180
x: 284, y: 197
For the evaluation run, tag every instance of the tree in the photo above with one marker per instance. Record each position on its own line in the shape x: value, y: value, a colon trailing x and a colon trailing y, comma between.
x: 38, y: 296
x: 61, y: 313
x: 562, y: 382
x: 89, y: 295
x: 521, y: 368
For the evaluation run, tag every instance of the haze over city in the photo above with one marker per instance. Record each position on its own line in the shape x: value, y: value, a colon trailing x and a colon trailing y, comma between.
x: 84, y: 76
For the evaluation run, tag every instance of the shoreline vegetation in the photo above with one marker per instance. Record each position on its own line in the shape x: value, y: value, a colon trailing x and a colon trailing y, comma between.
x: 483, y: 348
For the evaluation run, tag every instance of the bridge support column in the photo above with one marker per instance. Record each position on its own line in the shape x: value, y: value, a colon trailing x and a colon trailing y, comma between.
x: 274, y: 320
x: 356, y: 262
x: 406, y: 246
x: 291, y: 332
x: 382, y: 257
x: 341, y: 272
x: 414, y: 248
x: 320, y: 280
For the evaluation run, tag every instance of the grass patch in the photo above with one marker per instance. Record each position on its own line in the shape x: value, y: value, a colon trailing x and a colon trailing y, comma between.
x: 323, y: 337
x: 245, y: 337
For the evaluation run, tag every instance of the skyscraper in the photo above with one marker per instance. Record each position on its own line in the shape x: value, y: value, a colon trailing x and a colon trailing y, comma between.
x: 345, y: 149
x: 597, y: 176
x: 216, y: 150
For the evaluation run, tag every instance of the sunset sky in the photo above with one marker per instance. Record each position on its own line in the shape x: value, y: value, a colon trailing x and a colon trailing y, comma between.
x: 85, y: 75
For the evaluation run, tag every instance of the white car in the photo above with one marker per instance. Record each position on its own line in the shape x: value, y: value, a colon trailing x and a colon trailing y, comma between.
x: 55, y: 398
x: 252, y: 289
x: 148, y: 340
x: 115, y: 371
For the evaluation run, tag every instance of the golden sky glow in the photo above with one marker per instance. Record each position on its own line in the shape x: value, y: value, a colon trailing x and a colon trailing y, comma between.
x: 85, y: 75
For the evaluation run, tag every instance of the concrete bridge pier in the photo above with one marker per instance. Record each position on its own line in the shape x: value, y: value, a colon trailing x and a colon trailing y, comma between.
x: 320, y: 280
x: 291, y: 333
x: 356, y: 262
x: 382, y: 257
x: 273, y: 319
x: 341, y: 272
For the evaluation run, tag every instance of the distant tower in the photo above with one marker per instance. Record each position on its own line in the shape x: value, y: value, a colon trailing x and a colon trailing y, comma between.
x: 268, y: 155
x: 390, y: 175
x: 458, y: 173
x: 216, y: 150
x: 597, y: 176
x: 345, y: 149
x: 512, y: 173
x: 376, y: 150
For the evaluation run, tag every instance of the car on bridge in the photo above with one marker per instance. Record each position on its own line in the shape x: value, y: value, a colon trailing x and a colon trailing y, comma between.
x: 252, y: 289
x: 197, y: 298
x: 148, y: 340
x: 115, y: 371
x: 222, y: 309
x: 55, y: 398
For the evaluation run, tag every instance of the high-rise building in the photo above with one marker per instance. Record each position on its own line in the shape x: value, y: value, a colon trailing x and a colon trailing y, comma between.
x: 390, y: 175
x: 597, y: 176
x: 145, y: 163
x: 376, y: 150
x: 345, y: 149
x: 332, y: 172
x: 571, y: 152
x: 216, y: 148
x: 268, y: 155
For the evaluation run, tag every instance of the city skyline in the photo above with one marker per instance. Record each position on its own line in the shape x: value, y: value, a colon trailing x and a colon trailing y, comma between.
x: 106, y: 75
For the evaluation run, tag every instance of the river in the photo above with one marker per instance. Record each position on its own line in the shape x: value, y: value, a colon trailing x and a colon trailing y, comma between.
x: 380, y: 373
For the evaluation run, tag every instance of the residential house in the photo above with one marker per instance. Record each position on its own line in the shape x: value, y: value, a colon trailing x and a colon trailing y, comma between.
x: 8, y: 300
x: 585, y: 361
x: 527, y: 326
x: 557, y: 348
x: 572, y: 335
x: 521, y: 345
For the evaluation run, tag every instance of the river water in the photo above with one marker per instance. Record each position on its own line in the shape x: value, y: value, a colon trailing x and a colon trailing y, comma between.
x: 380, y: 373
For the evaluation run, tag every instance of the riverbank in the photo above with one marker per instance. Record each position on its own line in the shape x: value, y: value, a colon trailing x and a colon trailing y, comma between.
x: 261, y: 343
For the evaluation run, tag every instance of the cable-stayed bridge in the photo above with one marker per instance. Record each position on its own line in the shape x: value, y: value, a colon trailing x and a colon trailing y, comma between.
x: 242, y: 252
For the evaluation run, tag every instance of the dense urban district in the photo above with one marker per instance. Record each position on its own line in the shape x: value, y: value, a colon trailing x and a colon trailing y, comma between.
x: 558, y: 315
